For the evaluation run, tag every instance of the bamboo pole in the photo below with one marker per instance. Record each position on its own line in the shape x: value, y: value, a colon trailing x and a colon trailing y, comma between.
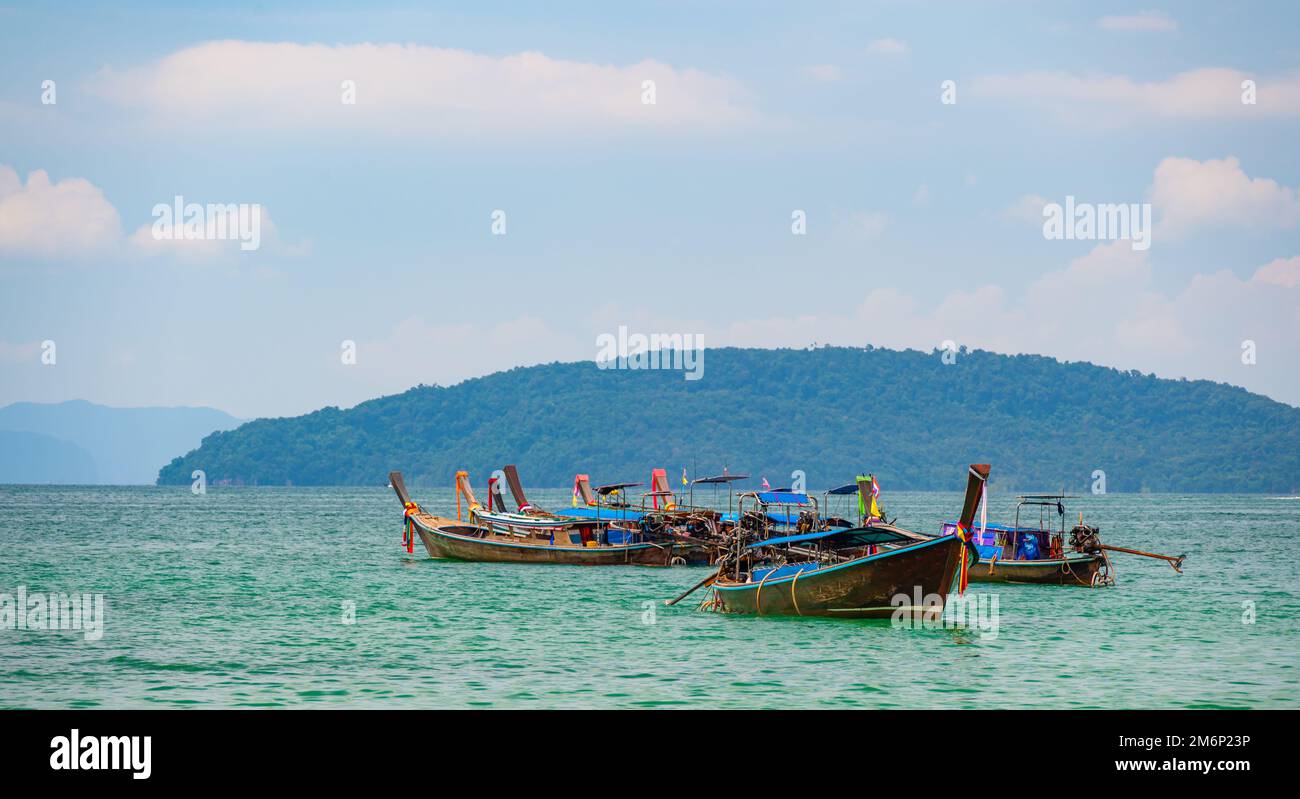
x: 706, y: 581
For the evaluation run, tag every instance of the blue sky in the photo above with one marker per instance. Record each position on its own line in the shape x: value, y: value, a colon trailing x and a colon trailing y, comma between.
x: 923, y: 220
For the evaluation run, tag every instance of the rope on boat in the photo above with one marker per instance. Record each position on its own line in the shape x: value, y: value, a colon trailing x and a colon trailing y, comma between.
x: 793, y: 598
x: 1103, y: 577
x: 758, y: 595
x: 712, y: 603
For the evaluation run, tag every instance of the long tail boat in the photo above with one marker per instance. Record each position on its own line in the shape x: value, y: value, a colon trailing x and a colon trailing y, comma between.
x: 1024, y: 554
x: 873, y: 571
x: 659, y: 517
x: 603, y: 503
x: 482, y: 539
x: 530, y: 518
x: 1036, y: 553
x: 609, y: 520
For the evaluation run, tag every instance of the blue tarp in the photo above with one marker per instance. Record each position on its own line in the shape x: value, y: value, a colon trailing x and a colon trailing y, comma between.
x: 616, y: 536
x: 1030, y: 542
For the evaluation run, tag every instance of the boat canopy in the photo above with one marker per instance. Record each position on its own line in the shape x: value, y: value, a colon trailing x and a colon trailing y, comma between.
x: 722, y: 478
x: 948, y: 527
x: 782, y: 497
x: 851, y: 488
x: 602, y: 513
x: 788, y: 516
x: 840, y: 537
x: 612, y: 487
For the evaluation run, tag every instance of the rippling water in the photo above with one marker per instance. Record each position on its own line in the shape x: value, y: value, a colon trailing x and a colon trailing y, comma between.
x: 236, y: 599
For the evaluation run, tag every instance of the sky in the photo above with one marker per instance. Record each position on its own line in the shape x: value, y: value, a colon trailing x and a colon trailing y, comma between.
x: 446, y: 191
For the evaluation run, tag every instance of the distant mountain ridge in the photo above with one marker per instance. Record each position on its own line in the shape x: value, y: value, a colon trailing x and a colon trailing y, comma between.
x: 39, y: 458
x: 830, y: 412
x: 81, y: 442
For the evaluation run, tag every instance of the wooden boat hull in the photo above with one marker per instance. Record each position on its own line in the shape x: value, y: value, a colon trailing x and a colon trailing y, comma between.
x: 862, y: 588
x: 1078, y: 570
x: 447, y: 539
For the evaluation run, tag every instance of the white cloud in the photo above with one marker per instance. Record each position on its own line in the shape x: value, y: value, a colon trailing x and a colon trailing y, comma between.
x: 1143, y: 21
x: 1104, y: 307
x: 449, y: 352
x: 415, y: 90
x: 28, y: 352
x: 1116, y: 99
x: 67, y: 218
x: 826, y: 73
x: 868, y: 223
x: 1028, y: 208
x: 73, y: 219
x: 1283, y: 272
x: 1188, y: 195
x: 887, y: 46
x: 144, y: 242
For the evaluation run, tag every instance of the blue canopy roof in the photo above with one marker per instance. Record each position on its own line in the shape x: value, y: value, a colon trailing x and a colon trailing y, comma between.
x: 588, y: 512
x: 1001, y: 528
x: 783, y: 497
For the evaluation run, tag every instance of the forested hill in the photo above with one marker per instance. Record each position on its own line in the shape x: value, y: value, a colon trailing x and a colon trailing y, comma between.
x: 831, y: 412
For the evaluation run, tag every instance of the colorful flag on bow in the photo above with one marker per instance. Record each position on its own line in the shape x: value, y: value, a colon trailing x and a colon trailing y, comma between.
x: 963, y: 572
x: 766, y: 485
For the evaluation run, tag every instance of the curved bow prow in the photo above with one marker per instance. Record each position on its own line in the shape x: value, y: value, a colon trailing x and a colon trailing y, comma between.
x: 975, y: 480
x: 399, y: 485
x: 977, y: 476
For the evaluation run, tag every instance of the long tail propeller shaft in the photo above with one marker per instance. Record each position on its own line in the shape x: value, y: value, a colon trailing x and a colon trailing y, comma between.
x: 1175, y: 562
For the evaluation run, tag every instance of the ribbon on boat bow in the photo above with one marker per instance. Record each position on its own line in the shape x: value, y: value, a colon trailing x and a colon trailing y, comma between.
x: 408, y: 535
x: 963, y: 572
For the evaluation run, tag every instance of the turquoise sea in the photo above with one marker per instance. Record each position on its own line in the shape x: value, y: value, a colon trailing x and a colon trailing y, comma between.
x: 239, y: 598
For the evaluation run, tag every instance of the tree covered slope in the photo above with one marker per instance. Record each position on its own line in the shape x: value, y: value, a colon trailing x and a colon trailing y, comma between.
x: 830, y: 412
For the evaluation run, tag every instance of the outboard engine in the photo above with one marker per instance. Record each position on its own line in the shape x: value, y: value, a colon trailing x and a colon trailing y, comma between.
x: 1084, y: 538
